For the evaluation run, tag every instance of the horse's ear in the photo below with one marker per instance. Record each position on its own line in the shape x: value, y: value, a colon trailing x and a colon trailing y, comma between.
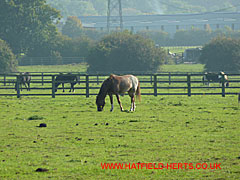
x: 111, y: 76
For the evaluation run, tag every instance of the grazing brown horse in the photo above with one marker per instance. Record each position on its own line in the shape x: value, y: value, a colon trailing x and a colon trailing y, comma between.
x: 118, y: 85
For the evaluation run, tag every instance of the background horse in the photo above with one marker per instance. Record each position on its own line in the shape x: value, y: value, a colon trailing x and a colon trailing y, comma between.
x: 118, y: 85
x: 66, y: 78
x: 24, y: 79
x: 214, y: 77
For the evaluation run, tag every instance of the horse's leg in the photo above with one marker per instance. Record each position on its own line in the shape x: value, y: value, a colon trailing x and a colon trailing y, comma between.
x: 132, y: 101
x: 111, y: 101
x: 63, y: 87
x: 119, y: 102
x: 71, y: 87
x: 28, y: 83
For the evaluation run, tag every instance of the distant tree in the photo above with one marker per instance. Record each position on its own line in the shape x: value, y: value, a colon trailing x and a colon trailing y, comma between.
x: 94, y: 34
x: 8, y: 61
x: 193, y: 37
x: 73, y: 27
x: 159, y: 37
x: 221, y: 54
x: 123, y: 51
x: 25, y: 23
x: 77, y: 47
x: 76, y: 7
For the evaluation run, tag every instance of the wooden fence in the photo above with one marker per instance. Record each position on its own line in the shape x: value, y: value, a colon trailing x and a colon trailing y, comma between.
x: 43, y: 84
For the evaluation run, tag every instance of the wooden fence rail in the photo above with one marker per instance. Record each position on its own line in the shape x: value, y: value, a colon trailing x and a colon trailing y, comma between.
x: 151, y: 84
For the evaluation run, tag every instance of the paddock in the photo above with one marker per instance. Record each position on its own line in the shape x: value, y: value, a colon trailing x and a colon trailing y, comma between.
x: 42, y: 84
x: 167, y: 127
x: 77, y: 139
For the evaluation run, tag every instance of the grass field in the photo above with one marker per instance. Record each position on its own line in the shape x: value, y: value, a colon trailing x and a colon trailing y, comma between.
x: 81, y: 68
x: 182, y: 68
x: 179, y: 49
x: 77, y: 139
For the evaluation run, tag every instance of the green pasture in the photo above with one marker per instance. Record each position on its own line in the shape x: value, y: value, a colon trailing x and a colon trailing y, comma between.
x: 179, y: 49
x: 81, y: 68
x: 77, y: 139
x: 185, y: 68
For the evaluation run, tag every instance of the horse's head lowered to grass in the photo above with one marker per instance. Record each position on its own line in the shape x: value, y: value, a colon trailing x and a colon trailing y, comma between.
x: 104, y: 90
x: 118, y: 85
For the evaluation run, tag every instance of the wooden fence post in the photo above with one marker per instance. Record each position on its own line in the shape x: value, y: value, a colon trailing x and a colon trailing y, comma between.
x: 223, y: 86
x: 18, y: 86
x: 169, y: 78
x: 97, y: 80
x: 155, y: 85
x: 53, y: 86
x: 4, y: 79
x: 189, y: 84
x: 87, y: 86
x: 42, y: 79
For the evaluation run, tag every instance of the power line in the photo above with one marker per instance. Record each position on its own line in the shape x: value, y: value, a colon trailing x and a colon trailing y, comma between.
x: 111, y: 8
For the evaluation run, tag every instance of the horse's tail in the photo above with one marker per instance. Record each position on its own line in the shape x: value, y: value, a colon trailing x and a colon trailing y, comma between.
x: 138, y: 92
x: 226, y: 79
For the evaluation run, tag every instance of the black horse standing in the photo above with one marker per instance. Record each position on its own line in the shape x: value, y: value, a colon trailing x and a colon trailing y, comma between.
x: 66, y: 78
x: 24, y: 79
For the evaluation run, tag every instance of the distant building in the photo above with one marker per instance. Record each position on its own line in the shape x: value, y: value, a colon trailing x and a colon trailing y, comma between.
x: 168, y: 23
x: 192, y: 55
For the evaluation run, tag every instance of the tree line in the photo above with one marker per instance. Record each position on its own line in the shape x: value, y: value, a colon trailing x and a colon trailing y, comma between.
x: 29, y: 29
x: 140, y: 7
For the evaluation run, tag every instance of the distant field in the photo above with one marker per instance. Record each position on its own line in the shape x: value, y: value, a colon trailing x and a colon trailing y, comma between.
x: 83, y: 68
x: 54, y: 68
x: 179, y: 49
x: 182, y: 68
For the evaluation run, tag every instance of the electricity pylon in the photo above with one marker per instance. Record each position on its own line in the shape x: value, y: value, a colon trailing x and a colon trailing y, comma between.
x: 114, y: 6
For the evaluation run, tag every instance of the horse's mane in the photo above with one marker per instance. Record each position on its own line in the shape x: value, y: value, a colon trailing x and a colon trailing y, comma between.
x: 105, y: 87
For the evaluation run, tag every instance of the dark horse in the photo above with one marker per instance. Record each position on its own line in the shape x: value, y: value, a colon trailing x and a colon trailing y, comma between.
x: 66, y: 78
x: 214, y: 77
x: 24, y: 79
x: 118, y: 85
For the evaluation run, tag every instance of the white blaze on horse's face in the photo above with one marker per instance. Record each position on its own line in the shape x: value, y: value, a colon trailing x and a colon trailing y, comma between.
x: 100, y: 104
